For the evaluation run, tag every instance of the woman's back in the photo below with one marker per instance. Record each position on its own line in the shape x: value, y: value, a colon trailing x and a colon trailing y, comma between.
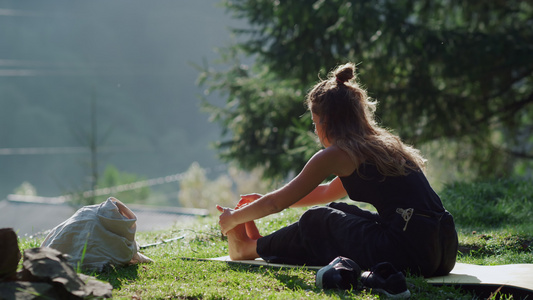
x: 386, y: 193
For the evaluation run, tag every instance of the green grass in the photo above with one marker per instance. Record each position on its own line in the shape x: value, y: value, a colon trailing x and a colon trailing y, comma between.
x: 494, y: 220
x: 171, y: 277
x: 498, y: 203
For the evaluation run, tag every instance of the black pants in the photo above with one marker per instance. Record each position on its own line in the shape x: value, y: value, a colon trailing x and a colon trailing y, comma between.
x: 428, y: 246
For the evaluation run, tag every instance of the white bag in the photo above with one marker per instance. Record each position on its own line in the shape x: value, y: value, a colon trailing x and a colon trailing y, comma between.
x: 106, y: 231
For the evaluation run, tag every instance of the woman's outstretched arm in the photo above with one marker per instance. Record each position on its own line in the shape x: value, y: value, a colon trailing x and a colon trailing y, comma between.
x: 322, y: 194
x: 317, y: 169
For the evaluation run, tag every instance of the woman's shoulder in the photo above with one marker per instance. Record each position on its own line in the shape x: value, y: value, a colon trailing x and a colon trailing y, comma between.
x: 344, y: 164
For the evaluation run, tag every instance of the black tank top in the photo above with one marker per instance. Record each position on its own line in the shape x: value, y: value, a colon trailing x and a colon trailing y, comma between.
x: 387, y: 193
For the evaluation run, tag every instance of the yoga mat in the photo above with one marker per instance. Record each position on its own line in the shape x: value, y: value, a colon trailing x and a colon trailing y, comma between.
x: 255, y: 262
x: 516, y: 279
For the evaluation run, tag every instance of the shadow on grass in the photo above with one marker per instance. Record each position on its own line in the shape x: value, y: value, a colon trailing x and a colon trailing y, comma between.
x: 282, y: 274
x: 117, y: 276
x: 294, y: 279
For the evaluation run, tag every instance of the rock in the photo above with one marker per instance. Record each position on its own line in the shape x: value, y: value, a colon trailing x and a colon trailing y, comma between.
x: 46, y: 274
x: 9, y: 254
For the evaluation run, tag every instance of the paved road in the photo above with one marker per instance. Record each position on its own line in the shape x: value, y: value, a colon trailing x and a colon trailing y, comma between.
x: 34, y: 218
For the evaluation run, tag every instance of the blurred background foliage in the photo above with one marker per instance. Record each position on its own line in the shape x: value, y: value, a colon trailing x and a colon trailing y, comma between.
x: 198, y: 191
x: 453, y: 77
x: 125, y: 64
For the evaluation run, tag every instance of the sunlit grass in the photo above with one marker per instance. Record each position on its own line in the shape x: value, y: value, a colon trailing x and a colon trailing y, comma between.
x: 172, y: 277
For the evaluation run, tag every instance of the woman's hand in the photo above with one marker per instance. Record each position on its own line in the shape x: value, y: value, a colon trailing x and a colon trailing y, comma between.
x: 225, y: 219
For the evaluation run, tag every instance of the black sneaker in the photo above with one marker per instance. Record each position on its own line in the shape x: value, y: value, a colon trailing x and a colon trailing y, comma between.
x: 341, y: 273
x: 384, y: 278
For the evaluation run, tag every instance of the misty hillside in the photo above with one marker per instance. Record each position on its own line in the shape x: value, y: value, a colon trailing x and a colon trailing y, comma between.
x: 132, y: 60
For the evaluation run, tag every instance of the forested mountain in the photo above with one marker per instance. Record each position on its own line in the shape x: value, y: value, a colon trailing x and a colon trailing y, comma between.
x: 132, y: 60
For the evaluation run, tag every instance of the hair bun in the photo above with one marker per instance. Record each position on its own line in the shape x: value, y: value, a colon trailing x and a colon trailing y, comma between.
x: 344, y: 72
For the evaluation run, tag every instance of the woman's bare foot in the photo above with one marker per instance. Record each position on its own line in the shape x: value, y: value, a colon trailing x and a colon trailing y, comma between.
x: 240, y: 245
x: 251, y: 228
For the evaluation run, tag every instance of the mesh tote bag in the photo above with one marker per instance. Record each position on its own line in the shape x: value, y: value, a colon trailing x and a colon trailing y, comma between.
x: 98, y: 235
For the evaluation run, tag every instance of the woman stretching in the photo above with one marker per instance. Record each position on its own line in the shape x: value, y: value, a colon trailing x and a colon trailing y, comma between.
x: 411, y: 228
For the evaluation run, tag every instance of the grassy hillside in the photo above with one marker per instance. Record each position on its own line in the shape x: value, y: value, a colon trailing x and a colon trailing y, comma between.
x: 482, y: 241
